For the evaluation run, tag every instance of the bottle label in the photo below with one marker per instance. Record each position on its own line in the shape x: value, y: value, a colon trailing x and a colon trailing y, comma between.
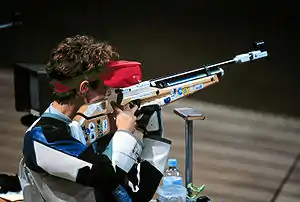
x: 172, y: 180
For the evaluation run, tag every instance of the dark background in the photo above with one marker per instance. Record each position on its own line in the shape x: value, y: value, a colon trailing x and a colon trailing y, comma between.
x: 173, y: 36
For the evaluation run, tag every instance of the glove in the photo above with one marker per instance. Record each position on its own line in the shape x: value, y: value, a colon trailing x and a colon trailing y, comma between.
x: 156, y: 148
x: 150, y: 121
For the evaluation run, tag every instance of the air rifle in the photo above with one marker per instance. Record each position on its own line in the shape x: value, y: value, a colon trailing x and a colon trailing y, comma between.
x: 161, y: 91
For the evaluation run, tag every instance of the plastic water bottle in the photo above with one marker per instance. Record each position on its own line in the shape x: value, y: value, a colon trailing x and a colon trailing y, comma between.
x: 172, y: 175
x: 171, y: 193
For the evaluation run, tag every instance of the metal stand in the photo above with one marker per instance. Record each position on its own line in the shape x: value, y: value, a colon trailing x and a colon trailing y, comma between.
x: 189, y: 115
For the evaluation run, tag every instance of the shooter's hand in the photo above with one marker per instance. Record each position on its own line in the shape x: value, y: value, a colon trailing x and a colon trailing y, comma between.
x: 125, y: 119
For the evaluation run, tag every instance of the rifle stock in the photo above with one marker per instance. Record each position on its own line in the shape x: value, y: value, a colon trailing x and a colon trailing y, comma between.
x: 94, y: 118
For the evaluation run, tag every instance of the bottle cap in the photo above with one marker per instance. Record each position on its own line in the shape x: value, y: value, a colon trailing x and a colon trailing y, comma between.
x: 172, y: 162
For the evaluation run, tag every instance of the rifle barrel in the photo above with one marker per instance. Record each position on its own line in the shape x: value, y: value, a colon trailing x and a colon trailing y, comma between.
x: 191, y: 75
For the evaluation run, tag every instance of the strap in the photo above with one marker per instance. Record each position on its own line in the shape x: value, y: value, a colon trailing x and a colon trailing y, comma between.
x: 25, y: 174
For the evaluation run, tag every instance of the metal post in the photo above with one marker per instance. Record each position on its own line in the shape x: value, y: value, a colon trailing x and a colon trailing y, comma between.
x: 189, y: 115
x: 188, y: 152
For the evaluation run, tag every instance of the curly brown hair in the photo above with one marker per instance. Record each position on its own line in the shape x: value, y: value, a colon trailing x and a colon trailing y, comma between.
x: 75, y: 56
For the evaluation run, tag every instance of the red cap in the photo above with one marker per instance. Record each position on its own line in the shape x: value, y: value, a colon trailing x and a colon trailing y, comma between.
x: 122, y: 74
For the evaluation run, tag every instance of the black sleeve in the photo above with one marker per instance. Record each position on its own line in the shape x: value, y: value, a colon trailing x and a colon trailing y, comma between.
x: 102, y: 174
x: 149, y: 179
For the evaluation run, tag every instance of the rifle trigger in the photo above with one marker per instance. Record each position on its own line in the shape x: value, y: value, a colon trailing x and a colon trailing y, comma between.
x: 135, y: 102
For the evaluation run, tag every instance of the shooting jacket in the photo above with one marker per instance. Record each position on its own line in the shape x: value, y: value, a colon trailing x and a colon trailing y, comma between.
x: 57, y: 166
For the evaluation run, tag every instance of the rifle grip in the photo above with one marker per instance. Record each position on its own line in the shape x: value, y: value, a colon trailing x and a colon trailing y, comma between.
x: 135, y: 102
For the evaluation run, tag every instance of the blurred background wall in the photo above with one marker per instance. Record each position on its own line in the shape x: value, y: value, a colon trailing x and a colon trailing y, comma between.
x: 173, y: 36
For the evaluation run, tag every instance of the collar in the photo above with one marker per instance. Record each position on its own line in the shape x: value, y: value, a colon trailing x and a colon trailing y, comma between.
x: 52, y: 112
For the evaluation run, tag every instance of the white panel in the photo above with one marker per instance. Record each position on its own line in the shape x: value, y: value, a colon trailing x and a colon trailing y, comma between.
x: 58, y: 163
x: 126, y: 149
x: 156, y: 153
